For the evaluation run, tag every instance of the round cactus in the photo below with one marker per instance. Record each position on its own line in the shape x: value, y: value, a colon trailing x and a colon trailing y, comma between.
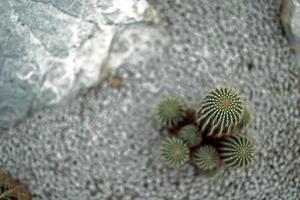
x: 190, y: 135
x: 220, y: 112
x: 174, y: 152
x: 170, y: 111
x: 237, y: 151
x: 207, y: 158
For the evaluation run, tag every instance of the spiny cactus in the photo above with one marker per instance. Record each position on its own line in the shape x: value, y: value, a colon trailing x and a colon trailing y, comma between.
x: 220, y: 112
x: 207, y: 158
x: 190, y: 135
x: 237, y: 151
x: 174, y: 152
x: 12, y: 189
x: 170, y: 111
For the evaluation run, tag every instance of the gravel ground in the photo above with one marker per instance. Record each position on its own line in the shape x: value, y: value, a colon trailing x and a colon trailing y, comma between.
x: 105, y: 144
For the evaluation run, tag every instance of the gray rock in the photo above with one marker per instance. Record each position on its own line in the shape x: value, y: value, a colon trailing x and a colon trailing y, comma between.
x: 50, y: 50
x: 290, y: 17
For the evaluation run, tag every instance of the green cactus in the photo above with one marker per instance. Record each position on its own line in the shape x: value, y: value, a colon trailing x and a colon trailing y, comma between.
x: 220, y: 112
x: 237, y: 151
x: 190, y: 135
x: 174, y: 152
x: 207, y: 158
x: 170, y: 111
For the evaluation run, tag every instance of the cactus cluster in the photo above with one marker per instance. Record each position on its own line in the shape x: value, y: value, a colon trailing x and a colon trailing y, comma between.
x: 212, y: 136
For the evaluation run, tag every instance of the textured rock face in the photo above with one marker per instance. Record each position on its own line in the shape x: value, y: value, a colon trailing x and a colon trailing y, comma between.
x: 290, y: 17
x: 50, y: 49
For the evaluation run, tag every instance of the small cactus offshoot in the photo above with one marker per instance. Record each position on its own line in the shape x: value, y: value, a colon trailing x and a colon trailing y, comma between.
x: 171, y: 111
x: 190, y: 135
x: 245, y: 119
x: 174, y: 152
x: 207, y: 158
x: 237, y: 151
x: 220, y: 112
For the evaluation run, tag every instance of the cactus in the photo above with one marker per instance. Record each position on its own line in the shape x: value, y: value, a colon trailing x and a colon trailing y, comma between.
x: 11, y: 188
x: 170, y: 111
x: 190, y: 135
x: 174, y: 152
x: 220, y: 112
x: 237, y: 151
x: 207, y: 158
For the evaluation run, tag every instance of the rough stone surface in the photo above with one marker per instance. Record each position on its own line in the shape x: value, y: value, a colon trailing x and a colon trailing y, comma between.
x: 105, y: 145
x: 290, y: 17
x: 50, y: 49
